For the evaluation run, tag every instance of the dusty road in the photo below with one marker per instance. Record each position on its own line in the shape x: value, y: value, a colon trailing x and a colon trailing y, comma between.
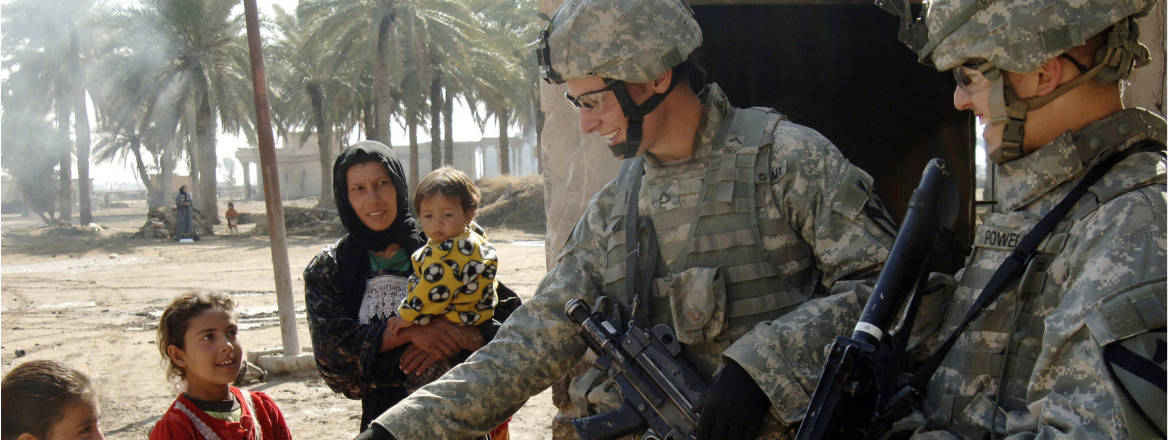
x: 92, y: 300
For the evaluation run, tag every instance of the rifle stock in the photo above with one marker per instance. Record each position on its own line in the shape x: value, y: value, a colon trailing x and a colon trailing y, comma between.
x: 857, y: 396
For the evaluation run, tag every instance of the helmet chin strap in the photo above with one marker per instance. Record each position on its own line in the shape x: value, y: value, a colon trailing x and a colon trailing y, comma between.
x: 636, y: 117
x: 1005, y: 105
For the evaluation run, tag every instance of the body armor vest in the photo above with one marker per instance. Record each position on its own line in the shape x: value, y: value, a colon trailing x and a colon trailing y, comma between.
x: 714, y: 280
x: 993, y: 360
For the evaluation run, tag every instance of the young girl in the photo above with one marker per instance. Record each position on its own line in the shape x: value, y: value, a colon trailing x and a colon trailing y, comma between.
x: 48, y: 400
x: 197, y: 339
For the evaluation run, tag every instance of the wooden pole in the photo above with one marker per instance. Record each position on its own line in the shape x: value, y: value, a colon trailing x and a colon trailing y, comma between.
x: 271, y: 184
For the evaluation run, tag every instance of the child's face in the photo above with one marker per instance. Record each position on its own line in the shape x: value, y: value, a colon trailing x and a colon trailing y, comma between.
x: 79, y: 421
x: 212, y: 356
x: 443, y: 217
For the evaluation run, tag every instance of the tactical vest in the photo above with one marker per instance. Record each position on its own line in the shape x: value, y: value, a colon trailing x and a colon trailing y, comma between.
x: 1003, y: 345
x: 715, y: 280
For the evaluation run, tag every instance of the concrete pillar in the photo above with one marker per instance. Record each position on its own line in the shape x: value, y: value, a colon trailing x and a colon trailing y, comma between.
x: 247, y: 179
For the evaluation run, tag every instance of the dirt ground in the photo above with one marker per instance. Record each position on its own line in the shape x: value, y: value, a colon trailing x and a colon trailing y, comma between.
x: 92, y: 299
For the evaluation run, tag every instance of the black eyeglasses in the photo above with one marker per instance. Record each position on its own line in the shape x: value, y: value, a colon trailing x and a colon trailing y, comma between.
x: 591, y: 102
x: 974, y: 76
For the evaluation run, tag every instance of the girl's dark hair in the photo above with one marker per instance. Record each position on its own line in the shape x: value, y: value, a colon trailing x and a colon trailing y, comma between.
x: 172, y: 326
x: 35, y: 395
x: 449, y: 182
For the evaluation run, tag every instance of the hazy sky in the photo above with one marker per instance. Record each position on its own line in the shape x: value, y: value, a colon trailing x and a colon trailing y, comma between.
x: 120, y: 173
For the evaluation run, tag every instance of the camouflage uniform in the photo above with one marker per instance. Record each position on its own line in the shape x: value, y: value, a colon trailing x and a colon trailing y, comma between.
x: 816, y: 213
x: 1099, y: 279
x: 1040, y: 359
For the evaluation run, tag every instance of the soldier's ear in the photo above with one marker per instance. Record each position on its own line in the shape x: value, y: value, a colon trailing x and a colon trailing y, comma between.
x: 1050, y: 76
x: 661, y: 84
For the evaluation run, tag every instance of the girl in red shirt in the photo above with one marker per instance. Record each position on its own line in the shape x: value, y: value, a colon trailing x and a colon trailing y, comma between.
x: 197, y: 337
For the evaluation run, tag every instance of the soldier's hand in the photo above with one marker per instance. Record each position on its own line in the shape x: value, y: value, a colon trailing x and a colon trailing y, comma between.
x: 733, y: 407
x: 374, y: 432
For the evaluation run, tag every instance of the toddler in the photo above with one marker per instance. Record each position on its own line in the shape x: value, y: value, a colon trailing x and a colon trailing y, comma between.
x: 454, y: 273
x: 47, y: 399
x: 232, y: 218
x: 197, y: 339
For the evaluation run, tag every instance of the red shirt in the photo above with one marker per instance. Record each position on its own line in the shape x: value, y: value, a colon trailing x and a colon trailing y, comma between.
x: 179, y: 421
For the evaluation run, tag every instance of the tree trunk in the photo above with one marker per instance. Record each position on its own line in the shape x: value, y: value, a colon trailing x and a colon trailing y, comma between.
x: 368, y: 121
x: 166, y: 165
x: 65, y: 190
x: 193, y: 170
x: 205, y: 127
x: 504, y: 144
x: 447, y: 123
x: 412, y: 128
x: 143, y: 173
x: 81, y: 129
x: 436, y: 120
x: 381, y: 89
x: 324, y: 142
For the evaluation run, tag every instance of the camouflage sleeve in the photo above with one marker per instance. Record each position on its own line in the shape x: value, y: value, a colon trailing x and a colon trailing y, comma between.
x: 535, y: 347
x: 831, y: 204
x: 1113, y: 283
x: 345, y: 350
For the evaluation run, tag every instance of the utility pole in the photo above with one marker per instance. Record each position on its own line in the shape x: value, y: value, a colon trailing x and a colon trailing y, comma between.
x: 271, y: 184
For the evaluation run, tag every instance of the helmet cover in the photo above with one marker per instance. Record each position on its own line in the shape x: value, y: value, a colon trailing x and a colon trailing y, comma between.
x: 629, y: 40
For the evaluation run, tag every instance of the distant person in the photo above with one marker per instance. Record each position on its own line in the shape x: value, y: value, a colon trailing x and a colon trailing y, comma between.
x: 197, y: 339
x: 184, y: 223
x: 352, y: 288
x: 232, y: 218
x: 454, y: 273
x: 48, y: 400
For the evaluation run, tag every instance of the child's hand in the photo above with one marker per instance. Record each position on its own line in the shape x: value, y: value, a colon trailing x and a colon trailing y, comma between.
x: 395, y: 325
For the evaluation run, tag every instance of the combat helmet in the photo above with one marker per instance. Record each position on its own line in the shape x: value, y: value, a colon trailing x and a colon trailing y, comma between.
x: 621, y: 41
x: 1020, y: 36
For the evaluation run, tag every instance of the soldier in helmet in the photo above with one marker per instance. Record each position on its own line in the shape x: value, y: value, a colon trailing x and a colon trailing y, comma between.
x: 1073, y: 344
x: 750, y: 215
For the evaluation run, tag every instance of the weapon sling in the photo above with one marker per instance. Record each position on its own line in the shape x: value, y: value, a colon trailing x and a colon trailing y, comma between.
x: 1022, y: 255
x: 637, y: 281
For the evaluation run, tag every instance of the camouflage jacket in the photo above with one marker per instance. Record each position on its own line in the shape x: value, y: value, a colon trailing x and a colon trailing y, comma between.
x: 538, y: 344
x: 1033, y: 362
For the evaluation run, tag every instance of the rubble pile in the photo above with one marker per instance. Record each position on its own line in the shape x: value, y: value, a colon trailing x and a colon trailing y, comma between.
x: 512, y: 203
x: 160, y: 223
x: 303, y: 221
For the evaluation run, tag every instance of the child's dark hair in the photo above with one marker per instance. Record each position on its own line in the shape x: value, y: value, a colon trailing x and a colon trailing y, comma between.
x: 172, y: 326
x: 449, y: 182
x: 35, y: 395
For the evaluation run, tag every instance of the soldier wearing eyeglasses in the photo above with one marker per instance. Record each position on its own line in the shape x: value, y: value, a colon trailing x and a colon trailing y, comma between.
x: 751, y: 215
x: 1073, y: 346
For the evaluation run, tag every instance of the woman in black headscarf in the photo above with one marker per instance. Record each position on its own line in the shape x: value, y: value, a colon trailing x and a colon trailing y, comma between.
x: 353, y: 286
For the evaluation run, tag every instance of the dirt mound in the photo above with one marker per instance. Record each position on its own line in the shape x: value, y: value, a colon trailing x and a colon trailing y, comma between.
x: 512, y: 203
x: 160, y: 223
x: 302, y: 221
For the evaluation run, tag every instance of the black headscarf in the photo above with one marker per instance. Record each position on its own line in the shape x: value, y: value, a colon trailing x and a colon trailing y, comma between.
x: 353, y: 250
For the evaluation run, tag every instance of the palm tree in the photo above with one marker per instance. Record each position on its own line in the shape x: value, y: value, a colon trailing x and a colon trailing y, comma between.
x: 312, y: 92
x: 202, y: 71
x: 41, y: 37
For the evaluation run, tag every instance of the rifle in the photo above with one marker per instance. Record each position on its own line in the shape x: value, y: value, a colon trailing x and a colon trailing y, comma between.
x: 660, y: 390
x: 857, y: 394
